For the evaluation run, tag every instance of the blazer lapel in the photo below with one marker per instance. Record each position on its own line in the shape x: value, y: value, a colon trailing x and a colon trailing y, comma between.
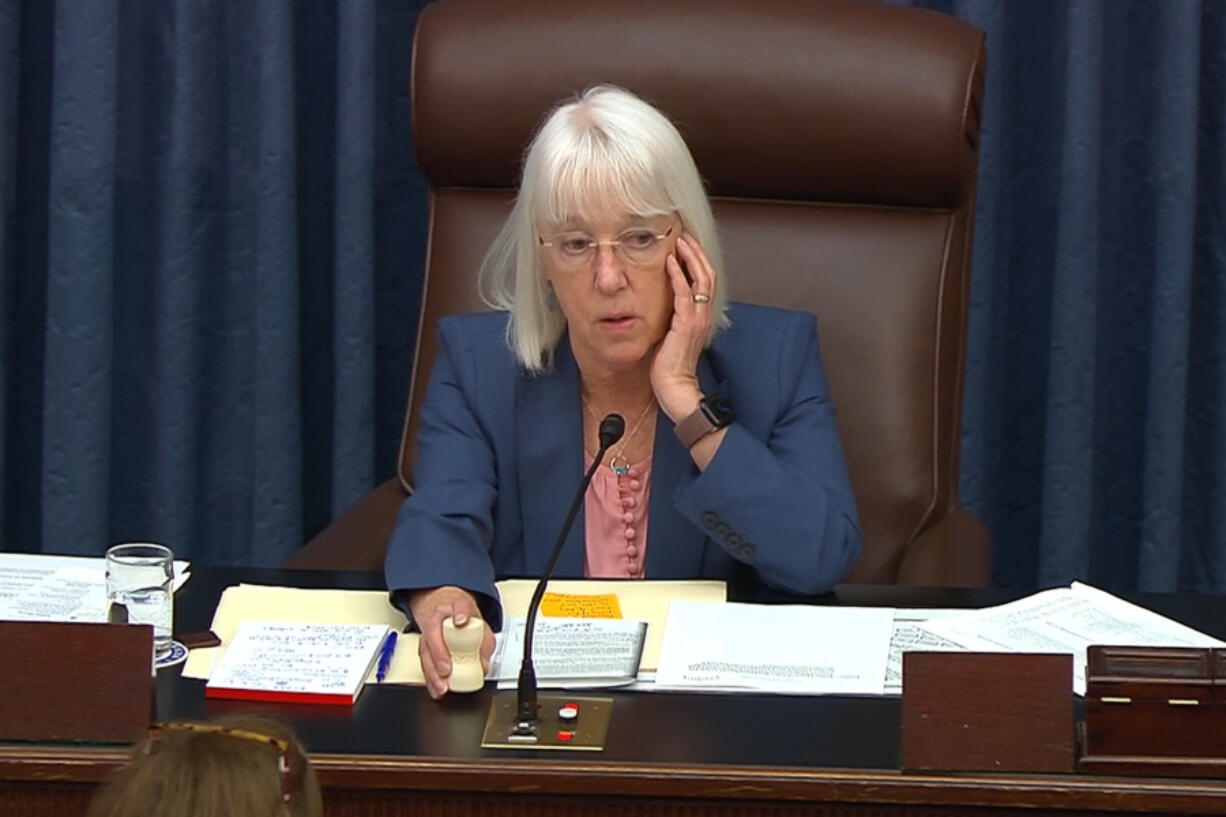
x: 549, y: 448
x: 675, y: 545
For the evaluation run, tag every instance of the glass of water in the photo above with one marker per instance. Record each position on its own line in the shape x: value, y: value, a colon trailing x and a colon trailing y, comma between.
x: 139, y: 591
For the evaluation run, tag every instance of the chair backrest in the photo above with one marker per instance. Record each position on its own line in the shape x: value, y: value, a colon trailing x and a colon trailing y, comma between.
x: 839, y: 142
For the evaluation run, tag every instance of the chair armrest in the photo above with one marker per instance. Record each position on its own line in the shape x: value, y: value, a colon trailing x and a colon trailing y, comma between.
x: 955, y: 552
x: 357, y: 539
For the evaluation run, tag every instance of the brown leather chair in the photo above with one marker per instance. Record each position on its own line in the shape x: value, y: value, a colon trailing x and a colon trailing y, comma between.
x: 839, y: 142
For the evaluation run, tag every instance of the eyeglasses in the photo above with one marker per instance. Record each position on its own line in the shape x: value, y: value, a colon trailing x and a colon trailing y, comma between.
x: 575, y: 249
x: 282, y: 746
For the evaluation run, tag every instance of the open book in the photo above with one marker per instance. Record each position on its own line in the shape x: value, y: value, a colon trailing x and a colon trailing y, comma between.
x: 297, y: 663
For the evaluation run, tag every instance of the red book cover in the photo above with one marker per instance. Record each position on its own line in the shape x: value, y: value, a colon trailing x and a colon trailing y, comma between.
x: 271, y: 696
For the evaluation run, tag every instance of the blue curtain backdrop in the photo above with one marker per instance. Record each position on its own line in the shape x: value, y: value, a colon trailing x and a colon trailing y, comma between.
x: 210, y: 251
x: 210, y: 257
x: 1094, y: 437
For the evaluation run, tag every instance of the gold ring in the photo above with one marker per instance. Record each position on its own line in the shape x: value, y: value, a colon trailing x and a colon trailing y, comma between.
x: 701, y: 298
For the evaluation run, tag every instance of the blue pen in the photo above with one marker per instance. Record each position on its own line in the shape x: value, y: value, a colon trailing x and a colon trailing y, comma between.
x: 385, y: 656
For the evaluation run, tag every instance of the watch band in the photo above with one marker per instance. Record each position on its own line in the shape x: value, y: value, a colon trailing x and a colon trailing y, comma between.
x: 694, y: 427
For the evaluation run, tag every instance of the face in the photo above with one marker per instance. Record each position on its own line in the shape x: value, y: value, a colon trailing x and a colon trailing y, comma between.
x: 617, y: 298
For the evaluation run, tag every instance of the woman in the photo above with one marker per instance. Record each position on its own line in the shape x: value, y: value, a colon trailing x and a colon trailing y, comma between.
x: 240, y: 766
x: 608, y: 280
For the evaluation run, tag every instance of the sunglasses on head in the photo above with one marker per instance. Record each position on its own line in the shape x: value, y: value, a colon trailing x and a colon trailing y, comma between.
x: 281, y: 746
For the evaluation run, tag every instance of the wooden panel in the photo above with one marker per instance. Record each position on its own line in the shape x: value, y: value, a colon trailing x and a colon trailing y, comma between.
x: 1155, y: 711
x: 44, y: 799
x: 987, y: 712
x: 37, y: 781
x: 89, y: 682
x: 51, y: 799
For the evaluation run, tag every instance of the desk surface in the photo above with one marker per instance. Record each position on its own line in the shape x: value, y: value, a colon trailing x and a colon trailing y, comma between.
x: 681, y: 752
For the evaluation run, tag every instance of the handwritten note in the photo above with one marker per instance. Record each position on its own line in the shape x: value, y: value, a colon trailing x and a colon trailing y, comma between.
x: 304, y: 663
x: 570, y: 605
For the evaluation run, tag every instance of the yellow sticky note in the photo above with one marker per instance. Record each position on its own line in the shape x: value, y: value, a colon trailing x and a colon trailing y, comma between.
x: 572, y: 606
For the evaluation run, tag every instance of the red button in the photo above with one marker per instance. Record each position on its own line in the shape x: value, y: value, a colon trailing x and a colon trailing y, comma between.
x: 564, y: 736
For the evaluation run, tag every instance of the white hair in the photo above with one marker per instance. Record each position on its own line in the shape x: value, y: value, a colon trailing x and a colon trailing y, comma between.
x: 600, y: 154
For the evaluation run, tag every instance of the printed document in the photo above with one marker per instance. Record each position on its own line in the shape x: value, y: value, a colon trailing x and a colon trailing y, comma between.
x: 572, y: 653
x: 1065, y: 620
x: 38, y: 587
x: 640, y: 600
x: 910, y: 636
x: 775, y: 648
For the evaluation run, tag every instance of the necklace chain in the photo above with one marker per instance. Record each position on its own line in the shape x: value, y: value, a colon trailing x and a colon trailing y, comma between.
x: 623, y: 467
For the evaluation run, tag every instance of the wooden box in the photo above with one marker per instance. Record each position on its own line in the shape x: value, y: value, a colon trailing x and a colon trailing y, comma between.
x: 987, y: 712
x: 1155, y: 711
x: 75, y: 682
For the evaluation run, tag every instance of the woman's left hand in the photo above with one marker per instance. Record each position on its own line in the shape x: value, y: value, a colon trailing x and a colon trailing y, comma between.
x: 674, y: 371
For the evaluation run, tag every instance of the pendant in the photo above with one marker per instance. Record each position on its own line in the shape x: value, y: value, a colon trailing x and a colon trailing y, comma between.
x: 619, y: 465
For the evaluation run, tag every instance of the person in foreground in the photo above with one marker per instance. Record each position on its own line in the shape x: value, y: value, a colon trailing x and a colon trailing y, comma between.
x: 239, y: 766
x: 611, y: 298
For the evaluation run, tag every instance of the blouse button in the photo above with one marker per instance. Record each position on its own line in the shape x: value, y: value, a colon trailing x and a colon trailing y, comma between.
x: 629, y: 533
x: 628, y: 502
x: 628, y: 518
x: 634, y: 485
x: 632, y: 551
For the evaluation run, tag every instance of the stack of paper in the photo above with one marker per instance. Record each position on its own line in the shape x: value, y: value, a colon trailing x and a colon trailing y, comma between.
x: 253, y: 602
x: 297, y: 663
x: 575, y: 653
x: 36, y: 587
x: 1065, y: 620
x: 796, y: 649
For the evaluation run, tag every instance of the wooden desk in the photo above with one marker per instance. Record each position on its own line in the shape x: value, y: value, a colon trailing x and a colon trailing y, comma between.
x: 397, y: 752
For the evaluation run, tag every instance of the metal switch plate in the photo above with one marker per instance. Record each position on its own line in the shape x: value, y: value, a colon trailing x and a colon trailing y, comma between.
x: 588, y: 731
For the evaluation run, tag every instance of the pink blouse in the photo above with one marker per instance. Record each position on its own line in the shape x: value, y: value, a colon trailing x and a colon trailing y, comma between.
x: 615, y: 522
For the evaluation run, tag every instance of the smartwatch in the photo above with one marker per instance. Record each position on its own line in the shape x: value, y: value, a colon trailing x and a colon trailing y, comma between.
x: 713, y: 412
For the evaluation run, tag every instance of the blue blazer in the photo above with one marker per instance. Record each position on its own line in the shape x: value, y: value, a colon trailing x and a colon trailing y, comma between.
x: 500, y: 456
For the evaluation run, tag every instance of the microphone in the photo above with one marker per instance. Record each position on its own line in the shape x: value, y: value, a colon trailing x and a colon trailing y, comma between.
x: 612, y: 427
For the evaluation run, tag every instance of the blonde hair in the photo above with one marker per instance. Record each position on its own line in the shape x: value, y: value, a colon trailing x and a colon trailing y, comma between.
x: 604, y: 151
x: 229, y: 768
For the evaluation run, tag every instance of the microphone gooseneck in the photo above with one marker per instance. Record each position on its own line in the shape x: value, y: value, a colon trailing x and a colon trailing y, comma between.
x: 612, y: 427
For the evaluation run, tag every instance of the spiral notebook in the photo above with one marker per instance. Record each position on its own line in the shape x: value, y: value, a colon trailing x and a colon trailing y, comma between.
x: 292, y: 662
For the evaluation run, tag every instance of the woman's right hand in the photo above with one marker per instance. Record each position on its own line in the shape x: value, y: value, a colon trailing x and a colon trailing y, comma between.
x: 430, y: 608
